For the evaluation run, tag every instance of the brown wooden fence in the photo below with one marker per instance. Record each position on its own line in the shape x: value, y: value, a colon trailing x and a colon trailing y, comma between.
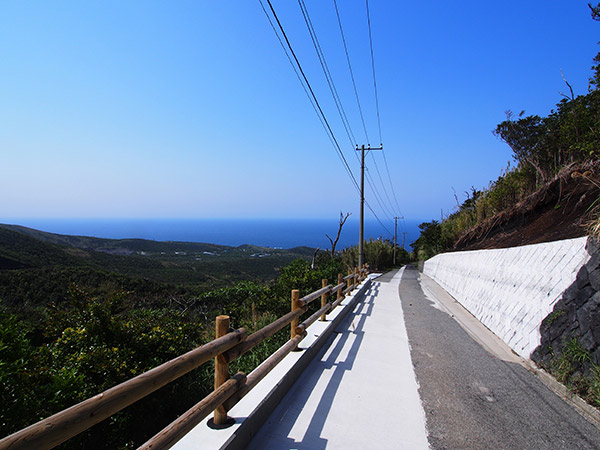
x: 62, y: 426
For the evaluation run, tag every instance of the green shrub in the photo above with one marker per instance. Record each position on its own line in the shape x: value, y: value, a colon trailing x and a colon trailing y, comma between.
x: 377, y: 253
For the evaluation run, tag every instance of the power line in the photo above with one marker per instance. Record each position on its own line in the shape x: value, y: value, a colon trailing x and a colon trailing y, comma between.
x: 378, y: 113
x: 327, y: 73
x: 314, y: 97
x: 338, y: 102
x: 291, y: 63
x: 378, y: 220
x: 387, y: 168
x: 300, y: 79
x: 311, y: 94
x: 371, y: 182
x: 374, y: 78
x: 382, y: 183
x: 362, y: 118
x: 378, y: 197
x: 339, y: 105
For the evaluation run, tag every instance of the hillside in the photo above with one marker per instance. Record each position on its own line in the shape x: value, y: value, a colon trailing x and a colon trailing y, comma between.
x: 560, y: 209
x: 131, y: 246
x: 76, y: 319
x: 38, y: 267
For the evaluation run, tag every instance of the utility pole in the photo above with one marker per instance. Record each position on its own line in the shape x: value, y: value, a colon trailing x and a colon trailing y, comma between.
x: 395, y: 236
x: 361, y: 228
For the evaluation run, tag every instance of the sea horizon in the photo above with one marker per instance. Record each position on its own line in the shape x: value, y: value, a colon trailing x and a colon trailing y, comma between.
x: 268, y: 232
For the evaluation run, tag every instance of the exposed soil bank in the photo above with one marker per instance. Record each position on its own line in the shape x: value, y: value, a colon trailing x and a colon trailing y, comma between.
x: 559, y: 210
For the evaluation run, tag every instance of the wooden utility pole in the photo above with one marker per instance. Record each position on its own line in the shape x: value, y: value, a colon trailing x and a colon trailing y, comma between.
x: 361, y: 228
x: 396, y: 236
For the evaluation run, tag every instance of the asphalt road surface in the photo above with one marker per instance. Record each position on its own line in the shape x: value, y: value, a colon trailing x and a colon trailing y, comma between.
x: 476, y: 400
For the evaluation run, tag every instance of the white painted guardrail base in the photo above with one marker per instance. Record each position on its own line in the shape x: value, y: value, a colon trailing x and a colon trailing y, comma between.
x: 252, y: 411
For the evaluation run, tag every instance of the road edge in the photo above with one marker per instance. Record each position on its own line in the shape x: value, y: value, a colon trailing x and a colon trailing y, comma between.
x: 493, y: 344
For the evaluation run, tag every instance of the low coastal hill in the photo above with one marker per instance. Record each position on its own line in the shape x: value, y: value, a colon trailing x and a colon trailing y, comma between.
x: 31, y: 260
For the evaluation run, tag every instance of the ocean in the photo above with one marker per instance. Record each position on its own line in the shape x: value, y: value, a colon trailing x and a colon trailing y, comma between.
x: 278, y: 233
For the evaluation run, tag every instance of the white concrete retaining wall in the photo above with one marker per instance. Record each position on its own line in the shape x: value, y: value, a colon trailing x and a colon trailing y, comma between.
x: 511, y: 290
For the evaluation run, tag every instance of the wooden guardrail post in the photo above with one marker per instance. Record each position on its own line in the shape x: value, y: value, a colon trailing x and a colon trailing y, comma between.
x: 355, y: 279
x: 349, y: 280
x: 340, y: 281
x: 323, y: 299
x: 221, y: 369
x: 295, y: 305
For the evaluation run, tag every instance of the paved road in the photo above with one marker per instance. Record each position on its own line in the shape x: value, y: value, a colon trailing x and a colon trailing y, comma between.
x: 475, y: 400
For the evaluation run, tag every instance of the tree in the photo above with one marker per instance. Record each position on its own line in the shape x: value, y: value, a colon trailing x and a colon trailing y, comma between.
x: 595, y: 80
x: 337, y: 238
x: 378, y: 254
x: 595, y: 10
x: 430, y: 241
x: 525, y: 137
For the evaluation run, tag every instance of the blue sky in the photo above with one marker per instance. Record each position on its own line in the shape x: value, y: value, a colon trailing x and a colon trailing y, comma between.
x: 190, y: 109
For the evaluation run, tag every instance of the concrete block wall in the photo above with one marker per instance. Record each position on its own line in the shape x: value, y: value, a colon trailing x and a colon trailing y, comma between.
x: 511, y: 290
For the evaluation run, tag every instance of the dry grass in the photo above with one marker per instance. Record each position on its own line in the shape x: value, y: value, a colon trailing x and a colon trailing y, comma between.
x: 593, y: 224
x: 564, y: 192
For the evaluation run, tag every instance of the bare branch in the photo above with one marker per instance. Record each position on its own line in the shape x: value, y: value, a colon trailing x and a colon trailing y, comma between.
x: 456, y: 198
x: 567, y: 83
x: 341, y: 224
x: 312, y: 265
x: 330, y: 240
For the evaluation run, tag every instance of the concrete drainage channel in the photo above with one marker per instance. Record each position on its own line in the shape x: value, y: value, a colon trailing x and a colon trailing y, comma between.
x: 254, y: 409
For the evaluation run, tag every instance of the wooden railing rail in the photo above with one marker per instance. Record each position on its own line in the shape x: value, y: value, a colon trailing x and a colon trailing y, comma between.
x: 338, y: 288
x: 307, y: 299
x: 261, y: 371
x: 349, y: 277
x: 187, y: 421
x: 339, y: 300
x: 62, y: 426
x: 312, y: 319
x: 264, y: 333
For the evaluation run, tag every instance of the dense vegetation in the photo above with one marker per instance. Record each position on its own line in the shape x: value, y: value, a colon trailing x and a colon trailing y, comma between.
x: 378, y: 253
x: 542, y: 147
x: 80, y: 315
x: 61, y: 355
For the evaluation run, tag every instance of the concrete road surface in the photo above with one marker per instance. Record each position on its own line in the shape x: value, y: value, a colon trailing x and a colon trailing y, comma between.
x: 360, y: 392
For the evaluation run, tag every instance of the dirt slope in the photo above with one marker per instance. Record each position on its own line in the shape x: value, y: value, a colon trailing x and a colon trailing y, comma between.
x: 559, y: 210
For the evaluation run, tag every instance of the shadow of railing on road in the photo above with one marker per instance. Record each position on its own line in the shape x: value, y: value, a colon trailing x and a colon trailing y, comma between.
x: 351, y: 328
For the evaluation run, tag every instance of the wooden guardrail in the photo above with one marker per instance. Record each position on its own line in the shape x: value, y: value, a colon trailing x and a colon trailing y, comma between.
x: 226, y: 347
